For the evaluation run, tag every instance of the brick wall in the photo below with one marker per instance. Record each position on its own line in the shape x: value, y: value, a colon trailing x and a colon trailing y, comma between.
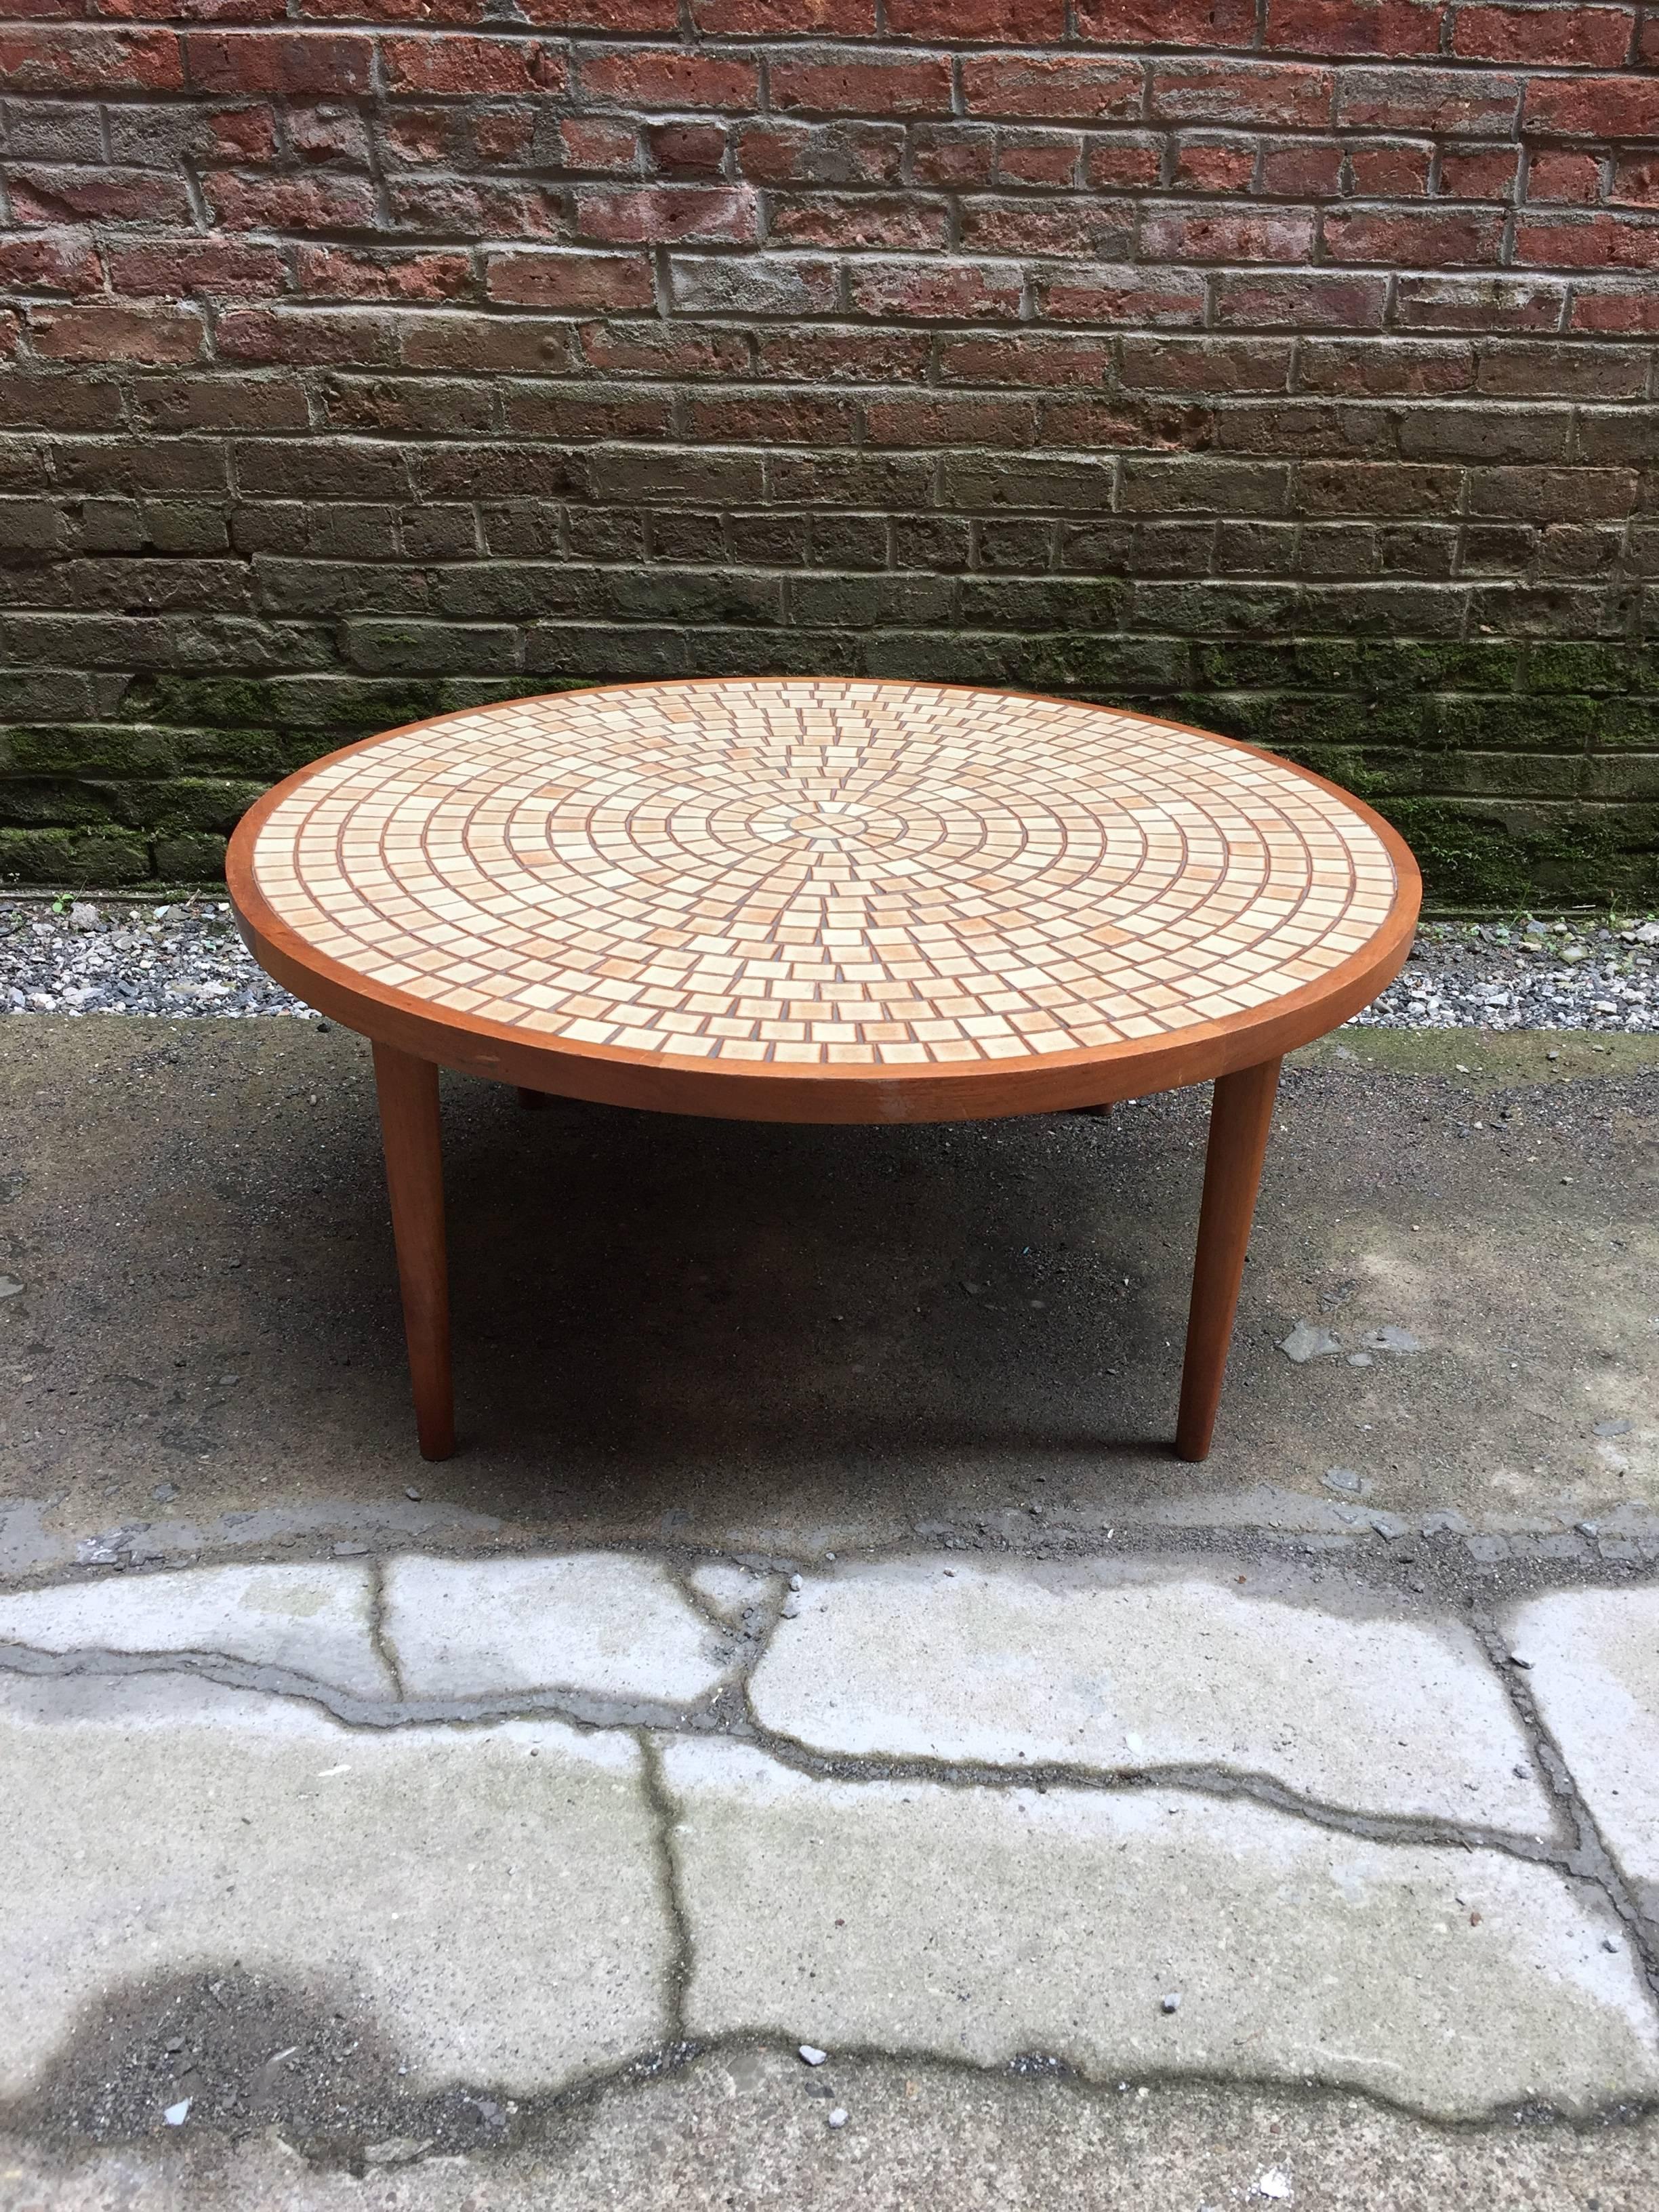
x: 1284, y: 365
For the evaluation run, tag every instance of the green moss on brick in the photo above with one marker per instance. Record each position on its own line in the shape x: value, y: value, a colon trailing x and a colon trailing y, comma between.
x: 1559, y: 724
x: 103, y: 857
x: 197, y: 857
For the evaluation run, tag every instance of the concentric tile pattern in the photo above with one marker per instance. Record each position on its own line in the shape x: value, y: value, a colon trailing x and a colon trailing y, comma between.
x: 824, y: 871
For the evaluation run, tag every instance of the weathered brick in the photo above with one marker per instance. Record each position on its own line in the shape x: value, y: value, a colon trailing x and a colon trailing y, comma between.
x: 1413, y: 237
x: 1052, y: 86
x: 61, y: 57
x: 1445, y: 103
x: 101, y: 333
x: 455, y: 66
x: 1238, y: 93
x: 297, y: 64
x: 578, y: 282
x: 51, y: 261
x: 1355, y: 27
x: 954, y: 365
x: 669, y: 76
x: 191, y: 266
x: 859, y: 80
x: 1625, y: 107
x: 955, y: 291
x: 665, y: 214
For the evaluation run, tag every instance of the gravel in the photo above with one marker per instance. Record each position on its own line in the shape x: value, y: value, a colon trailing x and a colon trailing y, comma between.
x: 120, y: 956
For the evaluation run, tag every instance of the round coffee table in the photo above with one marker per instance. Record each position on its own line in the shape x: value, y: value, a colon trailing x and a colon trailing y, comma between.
x: 822, y: 900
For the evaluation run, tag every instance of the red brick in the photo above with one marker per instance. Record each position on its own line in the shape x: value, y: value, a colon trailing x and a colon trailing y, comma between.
x: 1238, y: 93
x: 1123, y: 296
x: 687, y: 149
x: 1593, y: 107
x: 1477, y: 303
x: 90, y: 195
x: 313, y: 64
x: 503, y: 137
x: 1077, y: 229
x: 1176, y: 233
x: 483, y: 345
x: 1201, y: 365
x: 851, y: 82
x: 817, y: 355
x: 1355, y: 27
x: 1312, y: 299
x: 1390, y: 168
x: 1417, y: 238
x: 823, y: 153
x: 668, y: 77
x: 953, y: 155
x: 1049, y: 157
x: 108, y: 333
x: 950, y: 419
x: 454, y: 65
x: 603, y: 15
x: 318, y: 202
x: 660, y: 214
x: 1635, y: 178
x: 1597, y: 38
x: 1361, y: 368
x: 1042, y: 358
x: 618, y: 348
x: 773, y: 419
x: 304, y: 336
x: 173, y: 12
x: 1122, y: 164
x: 1302, y: 168
x: 51, y: 261
x: 953, y: 291
x: 1019, y: 23
x: 240, y: 134
x: 1214, y: 165
x: 852, y: 19
x: 860, y: 219
x: 1055, y: 87
x: 1600, y: 241
x: 585, y: 281
x: 462, y: 208
x: 1440, y: 103
x: 1167, y: 22
x: 417, y: 13
x: 1615, y: 310
x: 214, y: 267
x: 340, y: 272
x: 1563, y: 176
x: 594, y: 143
x: 62, y: 59
x: 329, y: 134
x: 417, y: 136
x: 1480, y: 173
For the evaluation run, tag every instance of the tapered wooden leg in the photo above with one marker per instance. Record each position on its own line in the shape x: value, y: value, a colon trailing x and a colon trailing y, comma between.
x: 414, y: 1177
x: 1241, y: 1115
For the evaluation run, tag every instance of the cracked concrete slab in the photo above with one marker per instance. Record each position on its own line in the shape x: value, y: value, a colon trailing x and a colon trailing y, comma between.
x: 315, y: 1621
x: 1593, y: 1669
x: 746, y: 2128
x: 488, y: 1899
x: 598, y: 1624
x: 978, y: 1924
x: 1087, y: 1664
x: 731, y: 1590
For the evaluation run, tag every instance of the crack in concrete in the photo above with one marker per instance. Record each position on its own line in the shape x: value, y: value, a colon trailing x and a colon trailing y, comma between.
x: 664, y: 1812
x: 384, y: 1649
x: 1201, y: 1780
x: 1588, y: 1860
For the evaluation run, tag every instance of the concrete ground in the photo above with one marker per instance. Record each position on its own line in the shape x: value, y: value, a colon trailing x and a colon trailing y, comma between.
x: 815, y: 1643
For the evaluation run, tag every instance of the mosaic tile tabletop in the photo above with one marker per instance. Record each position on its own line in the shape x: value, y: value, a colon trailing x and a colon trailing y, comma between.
x: 823, y: 872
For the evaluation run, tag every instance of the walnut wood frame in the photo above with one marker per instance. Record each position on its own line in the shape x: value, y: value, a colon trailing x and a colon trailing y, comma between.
x: 412, y: 1038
